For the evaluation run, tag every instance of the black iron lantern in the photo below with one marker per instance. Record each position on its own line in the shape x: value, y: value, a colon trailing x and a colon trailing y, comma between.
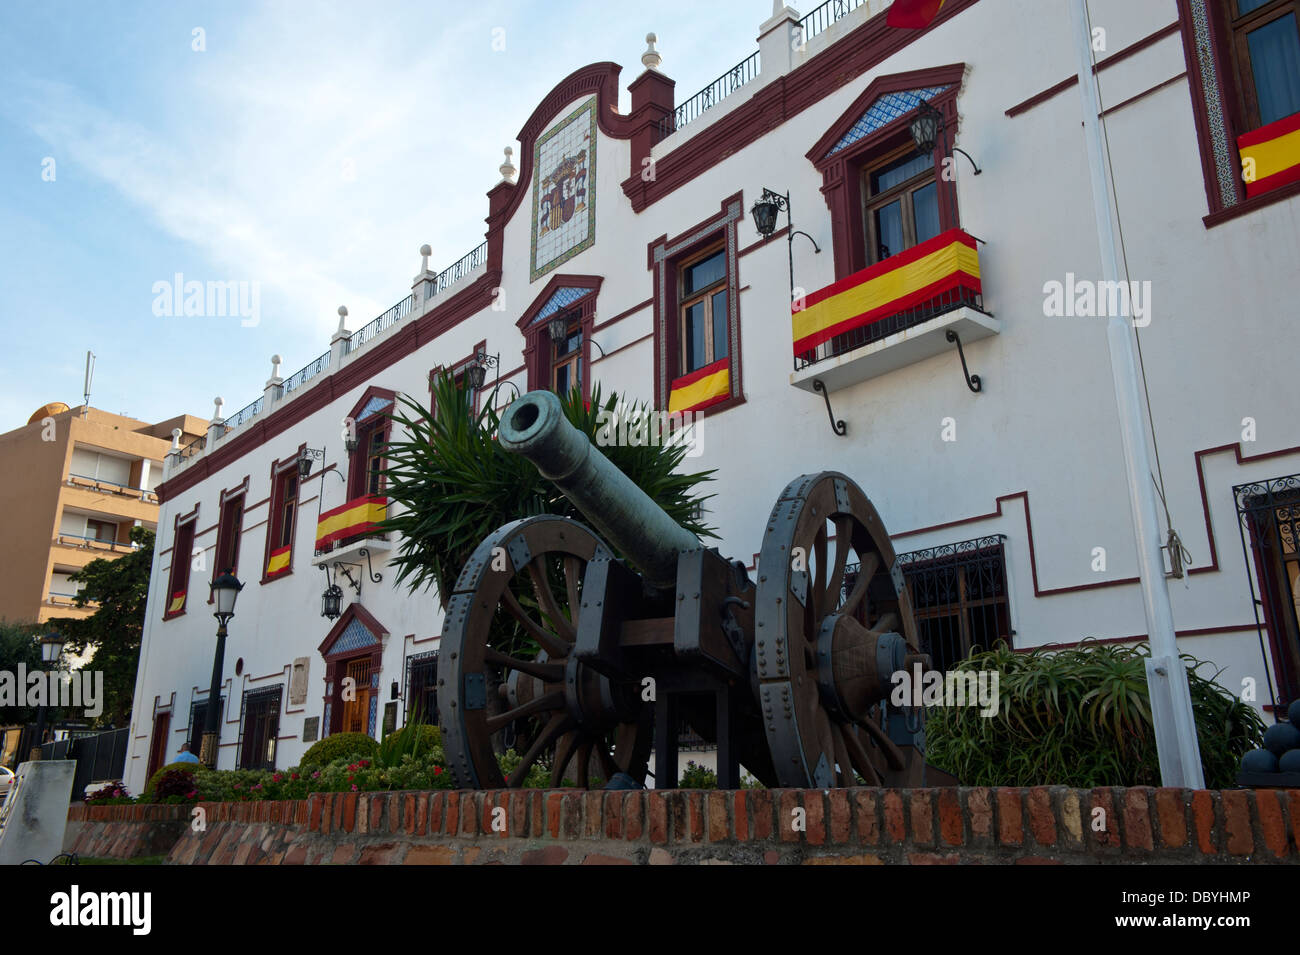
x: 52, y: 646
x: 926, y: 126
x: 224, y: 591
x: 558, y: 327
x: 476, y: 373
x: 764, y: 212
x: 331, y: 602
x: 304, y: 467
x: 350, y: 442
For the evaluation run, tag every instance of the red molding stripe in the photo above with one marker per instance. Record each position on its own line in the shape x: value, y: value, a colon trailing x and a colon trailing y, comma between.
x: 901, y: 282
x: 1275, y: 149
x: 357, y: 516
x: 701, y: 388
x: 279, y: 561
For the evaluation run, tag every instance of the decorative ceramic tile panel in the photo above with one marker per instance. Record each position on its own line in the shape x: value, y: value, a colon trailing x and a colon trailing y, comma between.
x: 374, y: 406
x: 564, y: 190
x: 355, y: 637
x: 884, y: 111
x: 562, y: 298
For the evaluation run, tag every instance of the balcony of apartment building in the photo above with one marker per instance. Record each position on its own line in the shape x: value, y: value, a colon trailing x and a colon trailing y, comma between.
x: 59, y: 598
x: 117, y: 486
x: 83, y: 536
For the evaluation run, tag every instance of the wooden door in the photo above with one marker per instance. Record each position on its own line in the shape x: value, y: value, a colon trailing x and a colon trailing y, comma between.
x: 162, y: 725
x: 356, y: 711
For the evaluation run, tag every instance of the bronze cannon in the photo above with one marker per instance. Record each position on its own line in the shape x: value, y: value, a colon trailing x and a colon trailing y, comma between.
x: 587, y: 661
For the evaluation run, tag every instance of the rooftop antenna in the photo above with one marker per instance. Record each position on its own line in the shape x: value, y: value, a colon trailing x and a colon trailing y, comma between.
x: 90, y: 373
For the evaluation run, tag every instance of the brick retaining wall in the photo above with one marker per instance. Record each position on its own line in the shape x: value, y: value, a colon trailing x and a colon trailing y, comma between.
x: 1042, y: 825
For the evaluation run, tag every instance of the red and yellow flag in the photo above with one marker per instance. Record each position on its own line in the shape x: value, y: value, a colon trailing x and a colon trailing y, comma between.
x: 1270, y: 155
x: 913, y: 14
x: 278, y: 562
x: 701, y: 388
x: 900, y: 283
x: 177, y: 603
x: 357, y: 516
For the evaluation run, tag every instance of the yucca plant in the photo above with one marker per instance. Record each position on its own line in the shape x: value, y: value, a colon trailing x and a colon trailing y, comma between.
x: 1081, y: 716
x: 453, y: 484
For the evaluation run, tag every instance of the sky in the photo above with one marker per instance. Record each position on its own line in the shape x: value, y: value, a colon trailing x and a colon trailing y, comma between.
x: 307, y: 150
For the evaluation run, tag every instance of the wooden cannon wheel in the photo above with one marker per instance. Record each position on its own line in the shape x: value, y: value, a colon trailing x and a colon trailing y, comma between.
x: 506, y: 660
x: 824, y: 657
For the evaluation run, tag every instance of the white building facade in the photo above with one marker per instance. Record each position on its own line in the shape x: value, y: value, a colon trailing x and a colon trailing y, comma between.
x: 1005, y: 495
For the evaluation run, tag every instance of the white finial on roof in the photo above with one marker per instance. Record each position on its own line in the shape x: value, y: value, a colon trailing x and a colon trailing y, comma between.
x: 425, y: 252
x: 217, y: 402
x: 507, y: 168
x: 651, y: 58
x: 176, y: 439
x: 343, y: 317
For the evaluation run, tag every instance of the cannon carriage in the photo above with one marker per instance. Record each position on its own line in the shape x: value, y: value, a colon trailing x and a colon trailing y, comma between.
x: 591, y: 646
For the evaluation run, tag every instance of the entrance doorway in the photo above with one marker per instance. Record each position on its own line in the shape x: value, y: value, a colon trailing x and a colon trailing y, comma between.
x: 162, y: 725
x: 1269, y: 513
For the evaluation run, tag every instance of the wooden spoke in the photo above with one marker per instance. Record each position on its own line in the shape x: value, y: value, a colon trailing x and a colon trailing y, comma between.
x: 818, y: 585
x: 885, y: 623
x: 572, y: 580
x: 563, y: 753
x: 843, y: 544
x: 557, y: 724
x: 546, y: 599
x: 547, y: 701
x: 584, y: 761
x: 870, y: 564
x: 549, y: 642
x: 860, y: 759
x: 547, y: 672
x: 893, y: 754
x: 838, y: 732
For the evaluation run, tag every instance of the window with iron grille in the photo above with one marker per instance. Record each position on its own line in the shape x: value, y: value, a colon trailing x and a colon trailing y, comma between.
x: 959, y: 597
x: 199, y: 723
x: 422, y: 687
x: 259, y: 727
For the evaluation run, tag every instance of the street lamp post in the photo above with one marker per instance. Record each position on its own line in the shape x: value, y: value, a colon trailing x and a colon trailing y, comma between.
x: 51, y: 649
x: 224, y: 590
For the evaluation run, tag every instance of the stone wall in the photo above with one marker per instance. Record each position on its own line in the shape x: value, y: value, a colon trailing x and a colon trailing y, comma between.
x: 1036, y: 826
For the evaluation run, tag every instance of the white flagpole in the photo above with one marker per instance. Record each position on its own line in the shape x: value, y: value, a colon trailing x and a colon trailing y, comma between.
x: 1171, y: 701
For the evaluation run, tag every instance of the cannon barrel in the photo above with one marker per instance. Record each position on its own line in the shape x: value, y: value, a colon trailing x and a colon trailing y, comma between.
x: 535, y: 426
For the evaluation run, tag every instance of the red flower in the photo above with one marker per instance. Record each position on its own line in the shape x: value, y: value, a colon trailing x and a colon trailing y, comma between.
x: 437, y: 770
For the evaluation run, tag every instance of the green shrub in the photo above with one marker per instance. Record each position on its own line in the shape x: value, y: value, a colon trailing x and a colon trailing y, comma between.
x: 1081, y: 717
x: 174, y: 785
x: 170, y: 768
x: 339, y: 746
x: 695, y: 776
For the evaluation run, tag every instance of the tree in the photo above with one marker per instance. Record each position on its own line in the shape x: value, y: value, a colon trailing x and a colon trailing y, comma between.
x: 456, y: 484
x: 120, y: 587
x: 19, y: 643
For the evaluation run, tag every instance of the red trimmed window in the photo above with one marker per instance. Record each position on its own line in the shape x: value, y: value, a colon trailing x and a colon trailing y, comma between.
x: 366, y: 463
x: 229, y: 530
x: 1265, y: 51
x: 280, y: 528
x: 566, y: 355
x: 704, y: 292
x: 558, y: 362
x: 178, y: 582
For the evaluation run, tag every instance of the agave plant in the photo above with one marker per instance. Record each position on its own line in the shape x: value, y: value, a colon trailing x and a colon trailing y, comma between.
x: 450, y: 483
x: 1081, y: 716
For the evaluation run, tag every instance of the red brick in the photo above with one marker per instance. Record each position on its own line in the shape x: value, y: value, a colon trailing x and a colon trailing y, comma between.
x: 921, y: 804
x: 407, y: 815
x: 1203, y: 820
x: 895, y: 824
x: 437, y: 805
x: 550, y: 855
x: 785, y: 815
x: 760, y: 805
x: 317, y: 805
x: 1010, y: 826
x: 612, y: 813
x: 719, y: 825
x: 740, y: 813
x: 771, y: 857
x: 296, y: 855
x: 1037, y: 860
x: 470, y: 807
x: 451, y: 813
x: 518, y: 813
x: 657, y: 811
x: 1236, y: 822
x: 950, y: 817
x: 597, y: 858
x: 349, y: 820
x: 378, y: 855
x: 867, y: 806
x: 695, y: 814
x: 507, y: 826
x: 841, y: 819
x: 593, y: 806
x: 1042, y: 821
x: 634, y: 815
x: 1108, y: 836
x: 1172, y: 815
x: 572, y: 826
x: 1137, y: 818
x: 931, y: 858
x: 814, y: 805
x: 536, y: 812
x: 554, y: 805
x: 363, y: 813
x: 1272, y: 826
x: 484, y: 811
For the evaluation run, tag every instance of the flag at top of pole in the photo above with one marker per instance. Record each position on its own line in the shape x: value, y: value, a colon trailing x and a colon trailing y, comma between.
x: 913, y: 14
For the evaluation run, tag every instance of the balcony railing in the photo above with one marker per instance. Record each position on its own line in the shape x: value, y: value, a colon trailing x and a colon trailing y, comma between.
x: 100, y: 484
x: 458, y: 270
x: 373, y: 329
x: 821, y: 18
x: 93, y: 543
x: 306, y: 373
x: 711, y: 95
x: 905, y: 290
x: 243, y: 416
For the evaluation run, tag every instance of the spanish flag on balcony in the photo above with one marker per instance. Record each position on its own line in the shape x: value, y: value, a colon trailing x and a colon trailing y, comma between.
x: 177, y: 602
x: 279, y: 560
x: 1270, y: 155
x: 913, y: 14
x: 357, y: 516
x: 909, y: 280
x: 701, y: 388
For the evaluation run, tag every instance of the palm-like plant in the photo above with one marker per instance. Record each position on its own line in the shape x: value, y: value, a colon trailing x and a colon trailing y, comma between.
x: 453, y: 483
